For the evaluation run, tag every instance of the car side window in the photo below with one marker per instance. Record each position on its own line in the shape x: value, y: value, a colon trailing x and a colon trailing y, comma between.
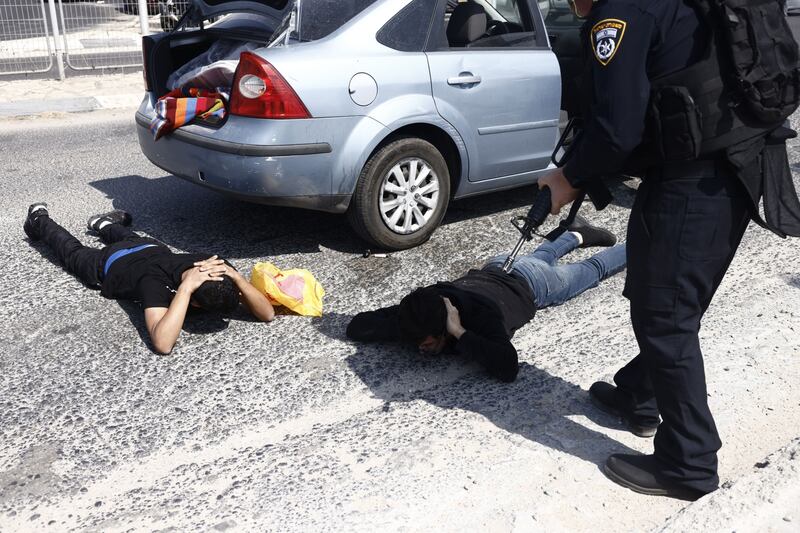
x: 481, y: 24
x: 408, y: 30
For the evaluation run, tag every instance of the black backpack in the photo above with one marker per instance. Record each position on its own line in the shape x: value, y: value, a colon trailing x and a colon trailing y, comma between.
x: 762, y: 56
x: 734, y: 102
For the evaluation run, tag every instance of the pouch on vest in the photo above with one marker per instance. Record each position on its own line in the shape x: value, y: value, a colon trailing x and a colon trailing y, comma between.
x: 675, y: 123
x: 745, y: 86
x: 762, y: 166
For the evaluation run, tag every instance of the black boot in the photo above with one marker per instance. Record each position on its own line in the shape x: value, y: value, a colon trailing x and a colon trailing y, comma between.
x: 643, y: 474
x: 31, y: 225
x: 117, y: 216
x: 592, y: 235
x: 609, y: 399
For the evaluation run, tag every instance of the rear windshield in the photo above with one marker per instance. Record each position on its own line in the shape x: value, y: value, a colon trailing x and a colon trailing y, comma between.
x: 310, y: 20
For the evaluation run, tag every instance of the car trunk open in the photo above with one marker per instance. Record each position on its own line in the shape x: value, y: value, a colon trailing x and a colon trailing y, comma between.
x: 167, y: 52
x: 273, y: 22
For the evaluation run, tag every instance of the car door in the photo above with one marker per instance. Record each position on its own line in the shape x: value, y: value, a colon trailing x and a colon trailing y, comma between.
x: 498, y: 84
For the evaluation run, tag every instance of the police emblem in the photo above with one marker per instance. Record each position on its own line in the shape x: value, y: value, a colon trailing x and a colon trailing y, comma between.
x: 606, y: 39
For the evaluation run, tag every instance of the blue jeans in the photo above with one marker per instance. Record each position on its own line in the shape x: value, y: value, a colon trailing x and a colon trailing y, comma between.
x: 554, y: 284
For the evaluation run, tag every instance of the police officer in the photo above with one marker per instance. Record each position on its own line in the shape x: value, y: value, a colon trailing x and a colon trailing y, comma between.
x: 685, y: 226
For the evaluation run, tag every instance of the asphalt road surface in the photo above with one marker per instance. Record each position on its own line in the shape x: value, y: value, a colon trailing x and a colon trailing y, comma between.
x: 289, y: 426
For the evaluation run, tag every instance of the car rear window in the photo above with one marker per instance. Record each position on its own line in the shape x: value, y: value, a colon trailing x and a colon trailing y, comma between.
x: 320, y: 18
x: 316, y: 19
x: 408, y: 30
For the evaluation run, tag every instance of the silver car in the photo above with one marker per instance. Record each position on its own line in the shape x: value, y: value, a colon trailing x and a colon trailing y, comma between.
x: 792, y: 7
x: 382, y: 109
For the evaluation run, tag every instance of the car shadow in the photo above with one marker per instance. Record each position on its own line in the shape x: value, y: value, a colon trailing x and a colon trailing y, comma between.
x: 522, y: 198
x: 538, y: 406
x: 191, y: 218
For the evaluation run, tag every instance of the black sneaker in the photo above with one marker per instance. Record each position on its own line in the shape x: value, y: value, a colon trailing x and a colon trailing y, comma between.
x: 642, y: 474
x: 31, y: 226
x: 117, y: 216
x: 608, y: 399
x: 592, y: 235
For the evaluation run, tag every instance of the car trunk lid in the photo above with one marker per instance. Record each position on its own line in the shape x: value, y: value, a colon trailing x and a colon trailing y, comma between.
x: 201, y: 10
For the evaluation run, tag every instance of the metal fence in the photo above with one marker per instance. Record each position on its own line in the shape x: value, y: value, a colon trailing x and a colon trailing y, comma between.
x: 25, y: 44
x: 67, y: 35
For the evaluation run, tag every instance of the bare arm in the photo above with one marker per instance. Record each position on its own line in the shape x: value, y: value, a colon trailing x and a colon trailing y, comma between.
x: 164, y: 324
x: 256, y: 302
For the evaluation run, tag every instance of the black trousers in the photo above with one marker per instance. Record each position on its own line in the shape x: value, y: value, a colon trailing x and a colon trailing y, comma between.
x: 84, y: 262
x: 685, y: 227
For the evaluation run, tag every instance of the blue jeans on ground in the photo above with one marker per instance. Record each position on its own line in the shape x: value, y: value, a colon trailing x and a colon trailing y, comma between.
x: 554, y: 284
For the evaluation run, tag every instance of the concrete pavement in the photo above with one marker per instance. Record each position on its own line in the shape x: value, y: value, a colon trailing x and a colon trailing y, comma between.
x: 31, y: 97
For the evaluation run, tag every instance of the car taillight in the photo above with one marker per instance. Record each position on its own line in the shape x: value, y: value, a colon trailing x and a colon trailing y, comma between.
x: 260, y: 91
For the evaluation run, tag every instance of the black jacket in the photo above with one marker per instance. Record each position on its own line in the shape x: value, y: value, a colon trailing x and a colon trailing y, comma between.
x: 492, y: 306
x: 629, y: 43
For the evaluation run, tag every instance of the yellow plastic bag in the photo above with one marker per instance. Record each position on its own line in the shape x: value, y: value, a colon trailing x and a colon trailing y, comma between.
x: 295, y: 289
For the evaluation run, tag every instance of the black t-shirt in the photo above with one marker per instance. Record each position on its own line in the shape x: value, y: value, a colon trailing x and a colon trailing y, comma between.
x: 150, y: 276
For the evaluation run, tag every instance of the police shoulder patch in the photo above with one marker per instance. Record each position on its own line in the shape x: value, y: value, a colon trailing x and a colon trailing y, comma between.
x: 606, y: 39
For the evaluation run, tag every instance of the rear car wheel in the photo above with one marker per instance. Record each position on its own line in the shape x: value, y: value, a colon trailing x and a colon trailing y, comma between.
x: 402, y: 195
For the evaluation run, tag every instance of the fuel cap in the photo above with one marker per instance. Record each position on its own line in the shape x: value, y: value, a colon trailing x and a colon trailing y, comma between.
x: 363, y: 89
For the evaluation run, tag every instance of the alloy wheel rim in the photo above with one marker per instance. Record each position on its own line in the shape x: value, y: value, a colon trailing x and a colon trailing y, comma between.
x: 409, y: 196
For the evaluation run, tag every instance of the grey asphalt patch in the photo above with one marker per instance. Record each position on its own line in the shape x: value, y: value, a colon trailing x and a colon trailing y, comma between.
x: 38, y: 107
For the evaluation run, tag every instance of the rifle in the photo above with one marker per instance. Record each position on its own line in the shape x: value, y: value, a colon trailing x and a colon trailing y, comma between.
x: 528, y: 225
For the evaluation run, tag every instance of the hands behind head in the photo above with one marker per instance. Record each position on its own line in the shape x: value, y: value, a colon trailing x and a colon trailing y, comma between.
x: 211, y: 269
x: 214, y: 264
x: 196, y: 276
x: 454, y: 326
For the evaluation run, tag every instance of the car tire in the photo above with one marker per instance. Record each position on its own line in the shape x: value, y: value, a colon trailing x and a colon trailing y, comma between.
x: 392, y: 211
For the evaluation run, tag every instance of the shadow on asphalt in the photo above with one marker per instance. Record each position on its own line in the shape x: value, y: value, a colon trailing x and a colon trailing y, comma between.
x: 794, y: 281
x: 195, y: 219
x: 537, y: 406
x: 197, y: 322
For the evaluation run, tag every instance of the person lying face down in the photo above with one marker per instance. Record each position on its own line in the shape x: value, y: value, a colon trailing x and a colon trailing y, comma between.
x: 137, y: 268
x: 478, y: 314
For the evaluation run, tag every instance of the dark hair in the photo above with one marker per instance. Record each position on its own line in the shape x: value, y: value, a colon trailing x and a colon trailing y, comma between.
x: 220, y: 296
x: 422, y: 313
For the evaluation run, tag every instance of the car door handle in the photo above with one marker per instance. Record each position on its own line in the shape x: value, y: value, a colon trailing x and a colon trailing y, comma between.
x: 464, y: 79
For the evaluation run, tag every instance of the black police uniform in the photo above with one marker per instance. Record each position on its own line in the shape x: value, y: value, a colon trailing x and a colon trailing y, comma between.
x: 686, y: 224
